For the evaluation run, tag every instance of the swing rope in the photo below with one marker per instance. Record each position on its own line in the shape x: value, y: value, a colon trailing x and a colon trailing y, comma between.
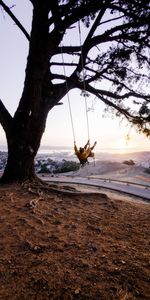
x: 68, y: 98
x: 84, y: 86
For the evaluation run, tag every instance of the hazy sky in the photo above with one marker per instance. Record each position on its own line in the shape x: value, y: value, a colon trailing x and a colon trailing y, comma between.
x: 109, y: 133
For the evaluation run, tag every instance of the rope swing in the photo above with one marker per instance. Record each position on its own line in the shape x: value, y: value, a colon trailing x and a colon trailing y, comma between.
x: 68, y: 97
x: 82, y: 153
x: 84, y: 86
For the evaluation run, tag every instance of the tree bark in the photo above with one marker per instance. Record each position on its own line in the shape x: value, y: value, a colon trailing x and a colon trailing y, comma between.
x: 20, y: 165
x: 23, y: 143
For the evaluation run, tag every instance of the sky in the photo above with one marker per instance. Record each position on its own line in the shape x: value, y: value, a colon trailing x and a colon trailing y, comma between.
x: 110, y: 133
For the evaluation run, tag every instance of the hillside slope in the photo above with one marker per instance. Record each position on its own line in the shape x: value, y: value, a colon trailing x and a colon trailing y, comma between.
x: 72, y: 245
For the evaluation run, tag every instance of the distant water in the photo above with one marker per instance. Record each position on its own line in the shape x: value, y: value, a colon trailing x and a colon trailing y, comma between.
x: 67, y: 153
x: 50, y: 149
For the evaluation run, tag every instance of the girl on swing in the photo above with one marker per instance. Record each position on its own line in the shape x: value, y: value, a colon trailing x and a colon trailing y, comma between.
x: 84, y: 153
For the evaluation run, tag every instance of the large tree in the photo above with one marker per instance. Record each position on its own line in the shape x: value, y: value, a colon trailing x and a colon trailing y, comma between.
x: 114, y: 52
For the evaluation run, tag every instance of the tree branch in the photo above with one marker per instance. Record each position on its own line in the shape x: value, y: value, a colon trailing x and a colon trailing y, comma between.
x: 68, y: 49
x: 121, y: 110
x: 111, y: 20
x: 105, y: 37
x: 138, y: 74
x: 17, y: 22
x: 5, y: 117
x: 128, y: 13
x: 133, y: 93
x: 91, y: 42
x: 124, y: 96
x: 56, y: 17
x: 81, y: 11
x: 62, y: 64
x: 57, y: 76
x: 89, y: 36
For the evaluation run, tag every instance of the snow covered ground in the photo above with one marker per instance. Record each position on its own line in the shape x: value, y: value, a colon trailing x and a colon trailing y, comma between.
x: 116, y: 176
x: 115, y: 171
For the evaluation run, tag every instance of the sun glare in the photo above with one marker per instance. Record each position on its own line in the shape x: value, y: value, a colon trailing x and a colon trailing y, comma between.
x: 124, y: 145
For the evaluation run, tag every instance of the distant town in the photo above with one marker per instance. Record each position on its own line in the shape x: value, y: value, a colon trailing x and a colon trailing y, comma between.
x: 62, y: 162
x: 43, y: 164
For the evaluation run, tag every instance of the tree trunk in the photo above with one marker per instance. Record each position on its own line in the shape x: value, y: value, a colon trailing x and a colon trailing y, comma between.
x: 20, y: 165
x: 23, y: 144
x: 24, y: 131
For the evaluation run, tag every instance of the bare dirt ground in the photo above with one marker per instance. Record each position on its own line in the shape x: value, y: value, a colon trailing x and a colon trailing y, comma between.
x: 73, y: 245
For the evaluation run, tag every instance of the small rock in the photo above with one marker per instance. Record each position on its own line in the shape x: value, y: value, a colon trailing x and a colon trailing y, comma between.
x: 77, y: 291
x: 123, y: 262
